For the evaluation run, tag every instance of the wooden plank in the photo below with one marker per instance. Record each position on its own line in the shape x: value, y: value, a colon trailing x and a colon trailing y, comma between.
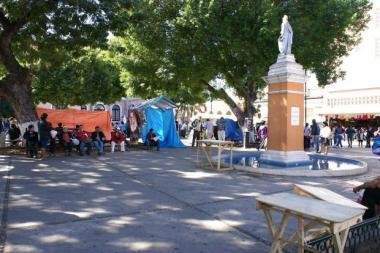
x: 326, y: 195
x: 216, y: 142
x: 313, y: 208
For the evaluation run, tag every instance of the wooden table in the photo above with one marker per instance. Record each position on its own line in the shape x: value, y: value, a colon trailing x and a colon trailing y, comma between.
x: 205, y: 146
x: 309, y: 213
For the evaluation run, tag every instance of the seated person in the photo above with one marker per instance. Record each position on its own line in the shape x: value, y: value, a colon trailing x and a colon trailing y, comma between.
x: 98, y: 139
x: 117, y: 137
x: 66, y: 141
x: 85, y: 141
x: 14, y: 134
x: 371, y: 196
x: 31, y: 139
x: 152, y: 140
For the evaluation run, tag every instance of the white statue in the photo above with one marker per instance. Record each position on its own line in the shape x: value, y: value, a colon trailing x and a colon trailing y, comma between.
x: 286, y: 37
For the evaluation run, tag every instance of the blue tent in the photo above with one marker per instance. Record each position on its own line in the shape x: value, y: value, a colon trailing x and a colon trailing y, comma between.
x: 233, y: 131
x: 158, y: 114
x: 376, y: 146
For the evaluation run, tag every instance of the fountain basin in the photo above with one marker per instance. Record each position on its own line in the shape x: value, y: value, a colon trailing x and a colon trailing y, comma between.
x: 317, y: 166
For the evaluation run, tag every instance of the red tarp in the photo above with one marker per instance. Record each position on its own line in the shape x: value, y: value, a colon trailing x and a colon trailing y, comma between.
x: 71, y: 117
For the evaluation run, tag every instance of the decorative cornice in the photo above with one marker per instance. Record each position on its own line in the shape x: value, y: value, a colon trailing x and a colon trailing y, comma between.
x: 285, y: 70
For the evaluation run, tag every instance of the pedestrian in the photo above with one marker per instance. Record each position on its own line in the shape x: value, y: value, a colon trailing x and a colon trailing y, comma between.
x: 31, y: 139
x: 339, y: 131
x: 197, y: 128
x: 263, y: 135
x: 325, y: 138
x: 306, y: 136
x: 44, y: 133
x: 221, y: 129
x: 315, y: 131
x: 350, y: 135
x: 209, y: 129
x: 371, y: 196
x: 368, y: 136
x: 360, y: 135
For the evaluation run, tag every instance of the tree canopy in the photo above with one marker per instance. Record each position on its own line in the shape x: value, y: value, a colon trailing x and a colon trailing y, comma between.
x: 34, y: 32
x: 174, y: 46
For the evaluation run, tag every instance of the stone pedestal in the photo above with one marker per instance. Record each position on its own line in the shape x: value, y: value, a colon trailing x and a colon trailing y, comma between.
x: 286, y: 80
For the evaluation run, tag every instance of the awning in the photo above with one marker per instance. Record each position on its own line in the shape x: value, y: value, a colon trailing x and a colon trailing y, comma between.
x: 162, y: 102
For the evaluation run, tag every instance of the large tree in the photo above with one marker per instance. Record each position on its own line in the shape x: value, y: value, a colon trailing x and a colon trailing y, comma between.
x: 184, y: 45
x: 35, y: 31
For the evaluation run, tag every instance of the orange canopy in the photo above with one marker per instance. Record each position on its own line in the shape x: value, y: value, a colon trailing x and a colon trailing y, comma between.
x: 71, y: 117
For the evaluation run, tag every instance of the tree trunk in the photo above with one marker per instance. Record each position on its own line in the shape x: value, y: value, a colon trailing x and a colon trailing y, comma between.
x: 17, y: 90
x: 16, y: 86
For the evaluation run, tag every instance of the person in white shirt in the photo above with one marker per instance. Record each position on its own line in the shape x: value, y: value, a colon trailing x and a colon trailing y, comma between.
x: 209, y: 129
x: 325, y: 138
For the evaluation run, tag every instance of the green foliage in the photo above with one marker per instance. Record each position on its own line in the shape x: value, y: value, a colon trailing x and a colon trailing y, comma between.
x: 86, y: 79
x: 176, y: 47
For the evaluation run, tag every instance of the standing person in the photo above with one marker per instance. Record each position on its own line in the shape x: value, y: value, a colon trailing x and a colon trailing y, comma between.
x: 221, y: 129
x: 59, y: 130
x: 371, y: 196
x: 315, y: 131
x: 209, y: 129
x: 98, y: 139
x: 197, y: 128
x: 360, y: 137
x: 14, y: 134
x: 85, y: 141
x: 339, y: 131
x: 117, y: 137
x: 53, y: 136
x: 325, y: 138
x: 44, y: 133
x: 350, y: 135
x: 306, y: 136
x: 368, y: 136
x: 263, y: 135
x: 31, y: 139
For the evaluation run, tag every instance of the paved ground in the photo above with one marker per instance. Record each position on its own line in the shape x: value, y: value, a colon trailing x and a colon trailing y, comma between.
x: 140, y: 201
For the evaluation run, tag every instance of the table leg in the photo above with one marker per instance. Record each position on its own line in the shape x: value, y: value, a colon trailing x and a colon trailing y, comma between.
x: 208, y: 155
x: 231, y: 157
x: 301, y: 234
x: 219, y: 154
x: 276, y: 234
x: 340, y: 240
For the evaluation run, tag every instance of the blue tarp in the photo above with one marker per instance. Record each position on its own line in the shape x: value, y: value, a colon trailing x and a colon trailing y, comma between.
x: 158, y: 114
x: 376, y: 146
x: 233, y: 131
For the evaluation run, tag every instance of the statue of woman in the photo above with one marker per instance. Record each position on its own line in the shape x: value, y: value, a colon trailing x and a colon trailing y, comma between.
x: 286, y: 37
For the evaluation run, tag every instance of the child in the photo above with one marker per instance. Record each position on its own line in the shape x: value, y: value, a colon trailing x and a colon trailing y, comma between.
x: 31, y: 138
x: 66, y: 140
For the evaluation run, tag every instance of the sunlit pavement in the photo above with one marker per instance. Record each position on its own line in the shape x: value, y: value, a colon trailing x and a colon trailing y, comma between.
x: 141, y: 201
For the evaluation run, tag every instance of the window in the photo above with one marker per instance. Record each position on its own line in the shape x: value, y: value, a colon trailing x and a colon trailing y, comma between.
x: 377, y: 48
x: 99, y: 107
x: 115, y: 113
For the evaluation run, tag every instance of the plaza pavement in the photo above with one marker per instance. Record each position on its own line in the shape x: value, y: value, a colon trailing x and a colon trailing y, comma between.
x: 141, y: 201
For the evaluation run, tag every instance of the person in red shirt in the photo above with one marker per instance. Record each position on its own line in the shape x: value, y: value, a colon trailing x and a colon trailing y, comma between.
x: 117, y: 137
x: 85, y: 141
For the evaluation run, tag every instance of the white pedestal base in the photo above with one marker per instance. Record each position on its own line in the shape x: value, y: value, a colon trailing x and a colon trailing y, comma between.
x: 285, y: 159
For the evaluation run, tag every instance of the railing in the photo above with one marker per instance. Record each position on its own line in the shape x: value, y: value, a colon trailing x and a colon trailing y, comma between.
x: 363, y: 237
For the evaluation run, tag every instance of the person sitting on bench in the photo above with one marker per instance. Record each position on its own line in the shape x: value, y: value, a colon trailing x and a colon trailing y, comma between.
x: 152, y: 140
x: 31, y: 139
x: 371, y: 196
x: 14, y: 135
x: 98, y: 139
x: 85, y: 141
x: 117, y: 137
